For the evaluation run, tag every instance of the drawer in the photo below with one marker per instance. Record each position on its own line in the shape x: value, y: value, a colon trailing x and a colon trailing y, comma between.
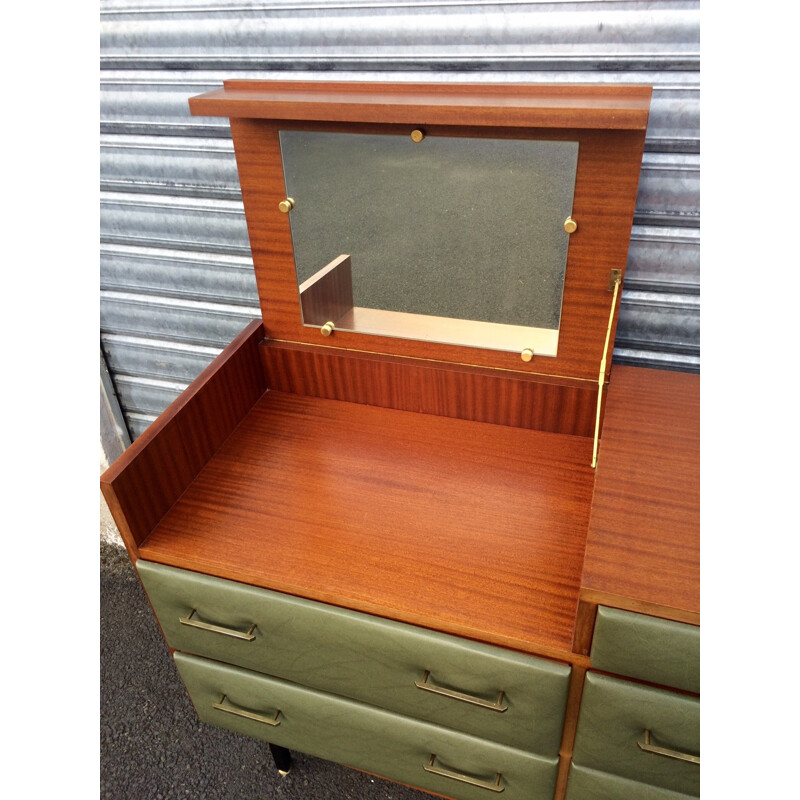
x: 521, y: 699
x: 614, y: 716
x: 647, y: 648
x: 589, y: 784
x: 363, y: 736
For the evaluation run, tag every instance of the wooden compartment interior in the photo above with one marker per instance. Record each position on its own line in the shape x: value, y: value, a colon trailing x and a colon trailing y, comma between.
x: 490, y: 531
x: 441, y: 522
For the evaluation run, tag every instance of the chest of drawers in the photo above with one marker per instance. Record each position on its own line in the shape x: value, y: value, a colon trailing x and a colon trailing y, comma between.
x: 639, y: 739
x: 415, y: 557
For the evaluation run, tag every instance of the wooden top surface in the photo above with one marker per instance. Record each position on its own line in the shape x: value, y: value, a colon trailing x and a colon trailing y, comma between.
x: 614, y: 107
x: 643, y: 546
x: 470, y: 528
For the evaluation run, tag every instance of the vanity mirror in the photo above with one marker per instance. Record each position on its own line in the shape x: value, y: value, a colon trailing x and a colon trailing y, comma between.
x: 410, y: 220
x: 451, y: 239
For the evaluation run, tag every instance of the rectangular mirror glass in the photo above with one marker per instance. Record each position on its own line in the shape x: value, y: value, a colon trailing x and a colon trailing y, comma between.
x: 447, y: 239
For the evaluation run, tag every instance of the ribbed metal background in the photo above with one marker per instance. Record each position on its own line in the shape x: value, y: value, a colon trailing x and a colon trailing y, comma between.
x: 177, y: 280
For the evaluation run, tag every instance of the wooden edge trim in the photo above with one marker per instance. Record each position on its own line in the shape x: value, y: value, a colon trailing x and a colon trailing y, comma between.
x: 570, y: 729
x: 121, y: 521
x: 598, y: 598
x: 584, y: 627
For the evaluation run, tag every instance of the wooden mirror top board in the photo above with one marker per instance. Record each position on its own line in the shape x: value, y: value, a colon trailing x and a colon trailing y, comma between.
x: 607, y: 122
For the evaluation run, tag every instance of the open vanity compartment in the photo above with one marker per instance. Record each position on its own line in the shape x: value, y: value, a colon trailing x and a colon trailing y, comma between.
x: 408, y: 480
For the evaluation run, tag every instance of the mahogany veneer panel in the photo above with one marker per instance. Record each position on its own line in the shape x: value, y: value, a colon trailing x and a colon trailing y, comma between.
x: 145, y: 481
x: 605, y: 195
x: 432, y: 388
x: 567, y: 106
x: 474, y: 529
x: 643, y: 547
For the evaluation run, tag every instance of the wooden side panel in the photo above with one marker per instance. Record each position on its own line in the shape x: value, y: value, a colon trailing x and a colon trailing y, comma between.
x: 643, y: 548
x: 480, y: 396
x: 150, y: 476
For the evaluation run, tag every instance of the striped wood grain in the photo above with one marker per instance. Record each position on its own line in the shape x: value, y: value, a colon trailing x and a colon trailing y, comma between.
x: 146, y: 480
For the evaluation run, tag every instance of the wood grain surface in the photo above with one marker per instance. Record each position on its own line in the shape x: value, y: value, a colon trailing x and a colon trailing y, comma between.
x: 328, y: 294
x: 576, y: 681
x: 621, y: 106
x: 643, y: 547
x: 473, y: 529
x: 146, y: 480
x: 608, y: 167
x: 482, y: 395
x: 605, y: 194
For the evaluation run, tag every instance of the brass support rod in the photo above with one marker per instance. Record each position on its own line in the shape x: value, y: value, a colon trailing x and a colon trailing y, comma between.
x: 617, y: 280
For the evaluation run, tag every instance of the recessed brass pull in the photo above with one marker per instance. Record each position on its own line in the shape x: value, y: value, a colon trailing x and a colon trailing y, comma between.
x: 457, y: 776
x: 425, y: 684
x: 243, y: 712
x: 247, y: 635
x: 649, y: 747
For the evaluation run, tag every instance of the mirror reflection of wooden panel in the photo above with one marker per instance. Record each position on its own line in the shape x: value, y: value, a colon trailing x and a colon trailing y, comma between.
x: 448, y: 227
x: 328, y: 295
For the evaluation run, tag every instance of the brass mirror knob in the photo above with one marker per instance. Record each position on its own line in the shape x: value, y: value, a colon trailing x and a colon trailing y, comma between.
x: 286, y: 205
x: 527, y: 354
x: 570, y: 226
x: 417, y: 135
x: 327, y: 329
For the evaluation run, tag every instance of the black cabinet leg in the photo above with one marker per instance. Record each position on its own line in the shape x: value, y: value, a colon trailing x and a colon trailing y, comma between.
x: 282, y: 758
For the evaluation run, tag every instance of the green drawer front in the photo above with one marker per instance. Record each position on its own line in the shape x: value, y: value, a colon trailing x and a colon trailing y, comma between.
x: 365, y: 658
x: 614, y: 716
x: 362, y: 736
x: 647, y: 648
x: 589, y: 784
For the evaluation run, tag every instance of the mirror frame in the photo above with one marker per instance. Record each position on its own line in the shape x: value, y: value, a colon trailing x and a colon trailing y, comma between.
x: 608, y: 122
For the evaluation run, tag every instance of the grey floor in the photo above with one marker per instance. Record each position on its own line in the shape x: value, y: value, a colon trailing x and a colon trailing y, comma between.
x: 153, y: 747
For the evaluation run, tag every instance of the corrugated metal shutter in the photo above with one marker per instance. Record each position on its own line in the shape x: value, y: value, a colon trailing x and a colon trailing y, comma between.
x: 176, y: 274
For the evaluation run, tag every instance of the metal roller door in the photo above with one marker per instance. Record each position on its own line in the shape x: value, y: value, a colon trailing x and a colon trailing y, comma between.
x: 176, y: 274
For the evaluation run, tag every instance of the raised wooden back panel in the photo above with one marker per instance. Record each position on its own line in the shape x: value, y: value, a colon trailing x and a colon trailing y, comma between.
x: 609, y: 124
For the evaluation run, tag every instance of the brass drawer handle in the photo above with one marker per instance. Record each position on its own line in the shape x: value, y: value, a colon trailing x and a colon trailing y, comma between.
x: 243, y: 712
x: 457, y: 776
x: 648, y: 747
x: 425, y: 684
x: 247, y: 635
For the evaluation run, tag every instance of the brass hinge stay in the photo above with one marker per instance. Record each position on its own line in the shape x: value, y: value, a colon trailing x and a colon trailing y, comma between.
x: 614, y: 281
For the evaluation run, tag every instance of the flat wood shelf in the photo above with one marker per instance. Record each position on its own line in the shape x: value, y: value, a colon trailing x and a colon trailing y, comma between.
x: 619, y: 107
x: 643, y: 547
x: 471, y: 528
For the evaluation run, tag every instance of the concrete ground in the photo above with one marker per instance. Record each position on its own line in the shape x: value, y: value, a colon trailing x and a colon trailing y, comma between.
x: 153, y: 747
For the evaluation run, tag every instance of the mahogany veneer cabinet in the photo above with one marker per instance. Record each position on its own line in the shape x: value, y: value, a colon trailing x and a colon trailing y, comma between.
x: 473, y: 570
